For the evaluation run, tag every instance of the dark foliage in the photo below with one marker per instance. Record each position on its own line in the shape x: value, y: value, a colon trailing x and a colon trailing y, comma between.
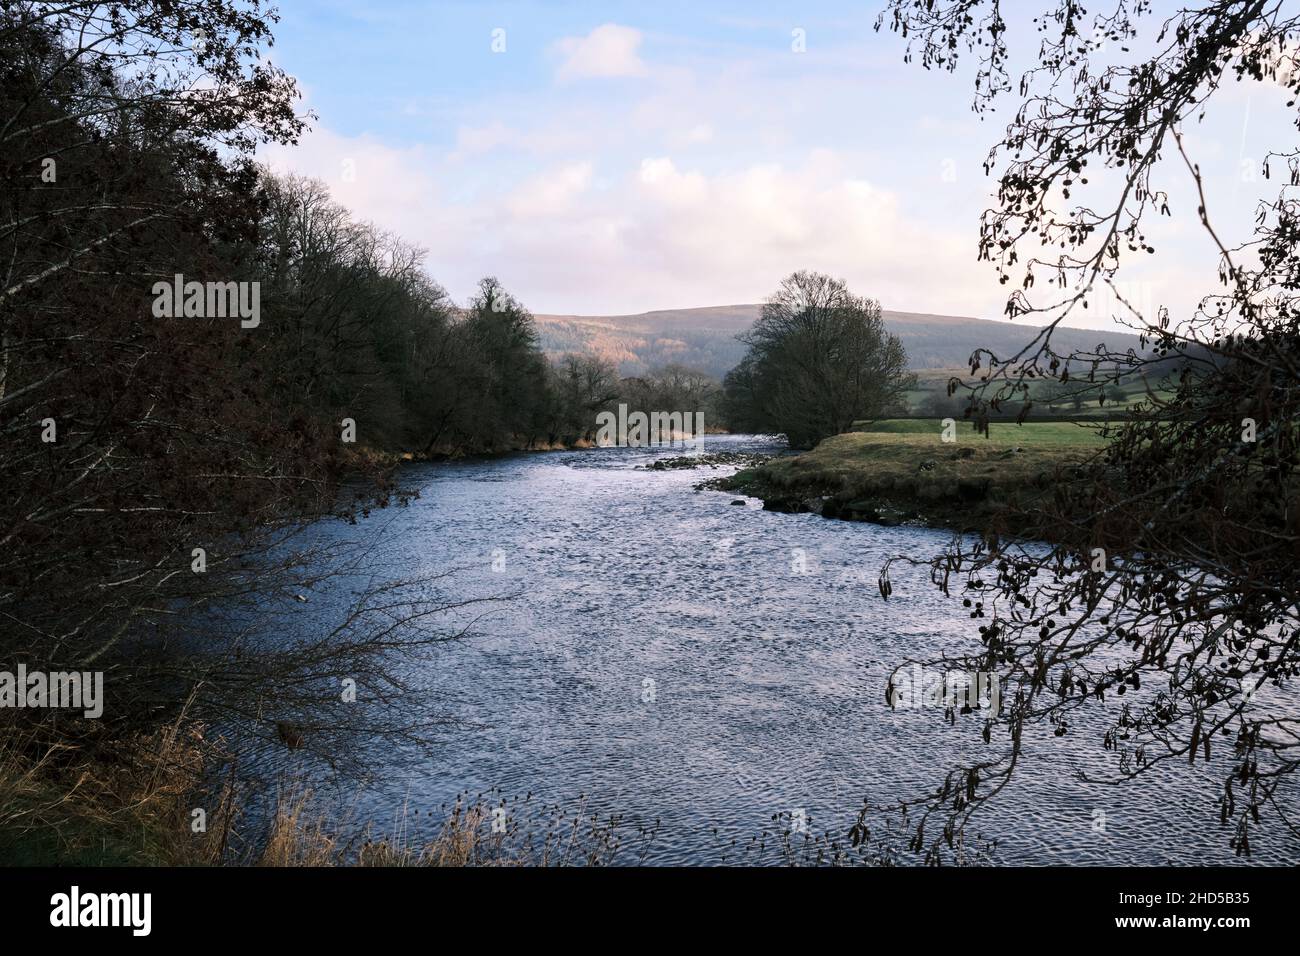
x: 819, y: 359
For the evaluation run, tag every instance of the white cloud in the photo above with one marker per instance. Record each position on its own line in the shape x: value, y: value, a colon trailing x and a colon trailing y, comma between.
x: 732, y: 236
x: 652, y: 234
x: 377, y: 182
x: 551, y: 193
x: 706, y: 188
x: 608, y: 50
x: 659, y: 233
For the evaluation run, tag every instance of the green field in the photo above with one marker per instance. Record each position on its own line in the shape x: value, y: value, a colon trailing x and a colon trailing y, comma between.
x: 1002, y: 434
x: 930, y: 395
x: 904, y: 468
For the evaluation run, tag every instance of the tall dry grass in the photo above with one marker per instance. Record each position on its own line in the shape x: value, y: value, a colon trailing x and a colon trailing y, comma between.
x: 79, y: 799
x: 471, y: 833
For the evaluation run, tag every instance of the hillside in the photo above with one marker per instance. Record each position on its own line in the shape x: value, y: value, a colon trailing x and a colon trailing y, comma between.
x: 705, y: 338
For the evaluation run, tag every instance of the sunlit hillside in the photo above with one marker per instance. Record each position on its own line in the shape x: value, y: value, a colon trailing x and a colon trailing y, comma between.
x: 705, y: 338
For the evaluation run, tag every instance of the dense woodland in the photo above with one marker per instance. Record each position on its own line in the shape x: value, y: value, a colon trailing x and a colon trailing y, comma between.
x: 361, y: 331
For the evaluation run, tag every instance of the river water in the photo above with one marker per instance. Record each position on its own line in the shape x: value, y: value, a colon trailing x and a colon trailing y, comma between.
x: 671, y: 656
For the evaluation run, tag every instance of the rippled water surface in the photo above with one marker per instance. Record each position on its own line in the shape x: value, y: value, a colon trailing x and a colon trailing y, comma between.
x: 768, y: 684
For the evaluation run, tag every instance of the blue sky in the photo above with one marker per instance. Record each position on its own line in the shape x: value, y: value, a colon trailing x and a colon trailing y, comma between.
x: 618, y: 157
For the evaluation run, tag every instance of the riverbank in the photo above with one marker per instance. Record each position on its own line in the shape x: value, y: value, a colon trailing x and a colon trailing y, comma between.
x: 83, y: 799
x: 367, y: 456
x: 905, y: 472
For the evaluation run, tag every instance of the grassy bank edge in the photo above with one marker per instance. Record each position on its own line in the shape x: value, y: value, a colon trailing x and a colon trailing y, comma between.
x: 906, y: 471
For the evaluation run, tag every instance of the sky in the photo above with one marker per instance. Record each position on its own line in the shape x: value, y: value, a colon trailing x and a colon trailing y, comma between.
x: 613, y: 158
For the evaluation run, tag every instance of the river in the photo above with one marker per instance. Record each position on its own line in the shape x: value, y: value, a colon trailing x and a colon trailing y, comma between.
x: 673, y: 656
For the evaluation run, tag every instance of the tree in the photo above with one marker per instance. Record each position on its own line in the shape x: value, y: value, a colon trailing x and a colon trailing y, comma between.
x: 505, y: 377
x: 580, y: 386
x: 670, y: 388
x: 1070, y: 394
x: 819, y: 359
x: 1171, y: 579
x: 740, y: 398
x: 110, y: 182
x: 158, y: 465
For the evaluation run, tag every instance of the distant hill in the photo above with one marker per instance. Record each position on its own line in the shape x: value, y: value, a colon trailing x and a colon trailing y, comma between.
x: 705, y: 338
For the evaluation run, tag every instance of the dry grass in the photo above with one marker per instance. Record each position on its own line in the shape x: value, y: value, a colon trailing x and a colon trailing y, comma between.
x: 83, y: 801
x: 527, y: 835
x: 90, y: 802
x: 298, y: 837
x: 464, y: 839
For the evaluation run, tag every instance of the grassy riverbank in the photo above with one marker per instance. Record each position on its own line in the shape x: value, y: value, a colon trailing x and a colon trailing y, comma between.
x: 84, y: 800
x: 902, y: 470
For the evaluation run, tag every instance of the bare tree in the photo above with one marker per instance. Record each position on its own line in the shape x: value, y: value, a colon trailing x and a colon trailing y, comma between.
x: 819, y: 360
x: 1170, y: 579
